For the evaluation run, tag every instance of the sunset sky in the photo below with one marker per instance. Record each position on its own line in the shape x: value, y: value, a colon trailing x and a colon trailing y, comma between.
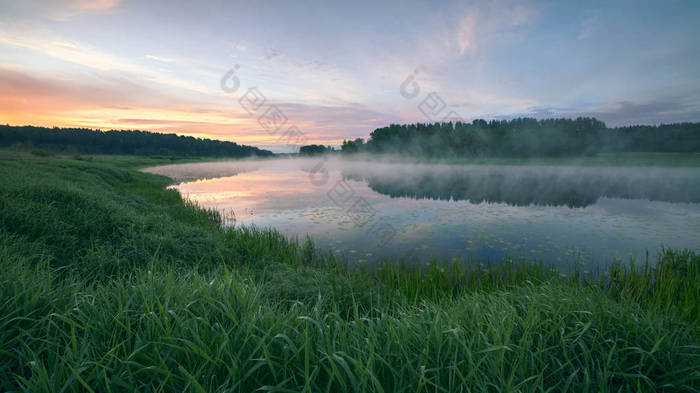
x: 335, y: 69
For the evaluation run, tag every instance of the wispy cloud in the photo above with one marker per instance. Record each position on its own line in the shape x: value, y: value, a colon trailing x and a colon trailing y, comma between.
x: 466, y: 32
x: 589, y: 26
x: 67, y: 50
x: 160, y: 58
x: 339, y: 75
x: 95, y: 4
x: 239, y: 47
x: 656, y: 111
x: 94, y: 58
x: 58, y: 10
x: 484, y: 23
x: 104, y: 102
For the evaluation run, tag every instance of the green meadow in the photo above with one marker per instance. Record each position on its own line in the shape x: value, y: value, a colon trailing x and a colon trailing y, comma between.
x: 110, y: 282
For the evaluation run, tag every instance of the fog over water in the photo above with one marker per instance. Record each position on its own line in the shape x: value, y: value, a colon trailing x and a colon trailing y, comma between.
x: 530, y: 185
x: 367, y: 211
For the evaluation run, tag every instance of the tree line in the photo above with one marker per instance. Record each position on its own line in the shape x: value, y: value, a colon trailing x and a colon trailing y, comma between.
x: 312, y: 150
x: 523, y: 137
x: 143, y: 143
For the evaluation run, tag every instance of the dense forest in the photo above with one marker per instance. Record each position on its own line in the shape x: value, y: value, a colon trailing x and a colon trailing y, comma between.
x: 87, y: 141
x: 525, y: 137
x: 312, y: 150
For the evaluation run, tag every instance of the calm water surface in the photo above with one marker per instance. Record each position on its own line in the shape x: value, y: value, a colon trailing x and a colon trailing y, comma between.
x: 563, y: 215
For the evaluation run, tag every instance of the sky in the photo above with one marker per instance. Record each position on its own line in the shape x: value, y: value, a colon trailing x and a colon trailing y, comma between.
x: 321, y: 72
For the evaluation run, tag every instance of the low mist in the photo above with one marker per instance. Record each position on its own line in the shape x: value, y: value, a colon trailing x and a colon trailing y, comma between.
x: 519, y: 185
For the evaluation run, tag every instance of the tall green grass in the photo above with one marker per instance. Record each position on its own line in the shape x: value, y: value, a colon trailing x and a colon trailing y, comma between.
x: 669, y: 286
x: 110, y: 283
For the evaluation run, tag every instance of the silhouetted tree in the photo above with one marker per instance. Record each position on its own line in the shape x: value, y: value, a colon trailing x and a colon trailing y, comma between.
x: 526, y: 137
x: 87, y: 141
x: 311, y: 150
x: 353, y: 146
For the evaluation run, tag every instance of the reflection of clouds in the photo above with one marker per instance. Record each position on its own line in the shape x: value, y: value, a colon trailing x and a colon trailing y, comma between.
x: 269, y: 185
x: 202, y: 171
x: 281, y: 196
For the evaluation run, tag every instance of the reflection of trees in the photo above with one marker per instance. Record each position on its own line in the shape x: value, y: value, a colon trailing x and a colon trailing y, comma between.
x: 532, y: 186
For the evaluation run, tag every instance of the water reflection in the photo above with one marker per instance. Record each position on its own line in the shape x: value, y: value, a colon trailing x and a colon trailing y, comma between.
x: 563, y: 215
x: 531, y: 185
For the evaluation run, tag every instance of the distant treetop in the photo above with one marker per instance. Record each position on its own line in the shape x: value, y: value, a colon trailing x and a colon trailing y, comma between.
x: 310, y: 150
x: 523, y: 137
x: 87, y: 141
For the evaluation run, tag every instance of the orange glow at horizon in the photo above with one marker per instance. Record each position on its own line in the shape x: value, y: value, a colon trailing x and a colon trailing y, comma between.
x: 209, y: 125
x: 73, y: 100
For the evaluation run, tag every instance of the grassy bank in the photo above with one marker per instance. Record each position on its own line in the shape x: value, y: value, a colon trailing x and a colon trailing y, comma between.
x: 110, y: 283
